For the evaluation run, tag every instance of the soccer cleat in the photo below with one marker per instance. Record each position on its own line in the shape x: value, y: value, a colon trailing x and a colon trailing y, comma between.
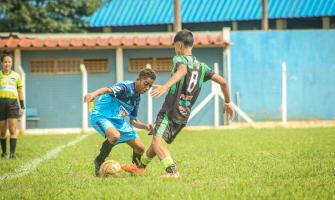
x: 12, y: 156
x: 133, y: 169
x: 3, y: 155
x: 172, y: 175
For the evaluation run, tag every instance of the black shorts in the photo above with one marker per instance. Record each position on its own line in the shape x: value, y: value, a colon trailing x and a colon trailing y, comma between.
x: 9, y: 108
x: 166, y: 128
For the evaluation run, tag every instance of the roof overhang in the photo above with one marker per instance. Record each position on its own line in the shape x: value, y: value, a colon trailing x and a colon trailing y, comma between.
x: 105, y: 41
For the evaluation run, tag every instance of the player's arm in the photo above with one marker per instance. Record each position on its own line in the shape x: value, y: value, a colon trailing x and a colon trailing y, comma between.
x: 180, y: 73
x: 140, y: 125
x: 91, y: 96
x: 21, y: 100
x: 225, y: 90
x: 21, y: 97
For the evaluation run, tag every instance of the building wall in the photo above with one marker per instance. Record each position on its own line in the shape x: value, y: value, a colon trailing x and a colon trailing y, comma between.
x: 256, y: 73
x: 58, y: 97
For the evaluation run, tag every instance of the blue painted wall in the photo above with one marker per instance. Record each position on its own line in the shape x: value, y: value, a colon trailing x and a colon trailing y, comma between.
x: 58, y: 98
x: 256, y: 73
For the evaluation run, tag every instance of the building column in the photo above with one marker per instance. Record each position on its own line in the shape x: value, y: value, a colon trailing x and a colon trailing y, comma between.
x: 119, y: 64
x: 18, y: 68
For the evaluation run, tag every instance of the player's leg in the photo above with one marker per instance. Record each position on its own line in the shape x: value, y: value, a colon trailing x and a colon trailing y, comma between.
x: 148, y: 156
x: 3, y: 141
x: 150, y: 153
x: 162, y: 152
x: 138, y: 150
x: 107, y: 130
x: 112, y: 136
x: 12, y: 116
x: 136, y: 167
x: 165, y: 132
x: 12, y: 126
x: 3, y: 127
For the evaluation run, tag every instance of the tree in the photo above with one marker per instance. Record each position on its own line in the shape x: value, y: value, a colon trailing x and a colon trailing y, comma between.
x: 46, y: 16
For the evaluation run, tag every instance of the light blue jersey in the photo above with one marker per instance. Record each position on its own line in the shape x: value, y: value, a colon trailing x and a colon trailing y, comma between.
x: 111, y: 109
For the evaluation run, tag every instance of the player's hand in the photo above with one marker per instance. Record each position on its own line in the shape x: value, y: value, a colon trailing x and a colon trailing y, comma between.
x: 21, y: 112
x: 228, y: 108
x: 149, y: 127
x: 89, y: 97
x: 158, y: 91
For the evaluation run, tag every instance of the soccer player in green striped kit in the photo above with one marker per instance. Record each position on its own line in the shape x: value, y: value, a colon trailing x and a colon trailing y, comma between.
x: 188, y: 76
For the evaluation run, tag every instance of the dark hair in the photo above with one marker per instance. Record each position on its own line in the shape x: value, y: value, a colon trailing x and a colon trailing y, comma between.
x: 184, y: 36
x: 5, y: 53
x: 147, y: 73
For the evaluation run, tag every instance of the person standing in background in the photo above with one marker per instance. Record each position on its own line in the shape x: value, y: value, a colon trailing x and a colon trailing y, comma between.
x: 10, y: 108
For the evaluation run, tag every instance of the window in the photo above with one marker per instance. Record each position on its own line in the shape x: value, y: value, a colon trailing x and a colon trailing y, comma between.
x: 67, y: 65
x: 136, y: 64
x: 42, y: 66
x: 96, y: 65
x: 163, y: 64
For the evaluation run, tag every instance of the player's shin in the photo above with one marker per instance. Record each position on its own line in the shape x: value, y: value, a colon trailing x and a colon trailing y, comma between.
x: 137, y: 159
x: 145, y: 160
x: 105, y: 150
x: 3, y: 147
x: 12, y: 143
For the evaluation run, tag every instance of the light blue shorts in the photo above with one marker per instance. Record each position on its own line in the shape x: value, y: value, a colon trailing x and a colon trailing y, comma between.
x: 101, y: 124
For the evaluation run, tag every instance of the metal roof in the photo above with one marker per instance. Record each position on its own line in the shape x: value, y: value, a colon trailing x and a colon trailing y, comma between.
x: 152, y: 12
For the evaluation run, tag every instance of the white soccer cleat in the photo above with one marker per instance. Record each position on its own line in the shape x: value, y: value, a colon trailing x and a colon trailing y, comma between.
x: 172, y: 175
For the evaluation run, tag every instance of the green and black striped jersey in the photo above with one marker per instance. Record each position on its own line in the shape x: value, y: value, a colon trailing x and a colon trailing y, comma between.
x: 182, y: 95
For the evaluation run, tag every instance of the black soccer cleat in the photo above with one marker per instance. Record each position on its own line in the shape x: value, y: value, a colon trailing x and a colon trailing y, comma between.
x: 4, y: 155
x: 12, y: 156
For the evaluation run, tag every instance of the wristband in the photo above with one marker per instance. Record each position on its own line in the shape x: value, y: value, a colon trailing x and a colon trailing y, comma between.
x: 22, y: 104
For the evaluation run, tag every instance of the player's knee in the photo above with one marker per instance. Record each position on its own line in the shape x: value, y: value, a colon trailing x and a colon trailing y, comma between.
x: 113, y: 137
x: 12, y: 131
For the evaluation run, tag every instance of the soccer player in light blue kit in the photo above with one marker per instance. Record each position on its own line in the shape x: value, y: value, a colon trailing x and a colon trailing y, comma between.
x: 111, y: 106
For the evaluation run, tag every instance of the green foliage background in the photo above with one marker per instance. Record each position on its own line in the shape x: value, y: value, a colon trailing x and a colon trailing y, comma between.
x: 46, y: 16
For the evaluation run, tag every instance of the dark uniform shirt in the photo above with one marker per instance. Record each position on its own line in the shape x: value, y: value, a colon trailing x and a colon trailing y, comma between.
x: 182, y: 95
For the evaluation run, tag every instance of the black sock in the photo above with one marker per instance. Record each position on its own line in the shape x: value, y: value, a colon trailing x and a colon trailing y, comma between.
x: 137, y: 159
x: 171, y: 169
x: 105, y: 150
x: 3, y: 145
x: 12, y: 143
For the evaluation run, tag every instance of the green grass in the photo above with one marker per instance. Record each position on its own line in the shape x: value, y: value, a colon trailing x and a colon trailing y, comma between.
x: 214, y: 164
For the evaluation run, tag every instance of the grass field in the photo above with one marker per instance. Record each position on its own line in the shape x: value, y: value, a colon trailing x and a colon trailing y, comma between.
x: 214, y: 164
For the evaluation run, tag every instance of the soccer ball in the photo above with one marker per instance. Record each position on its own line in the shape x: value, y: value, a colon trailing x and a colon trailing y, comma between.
x: 110, y: 168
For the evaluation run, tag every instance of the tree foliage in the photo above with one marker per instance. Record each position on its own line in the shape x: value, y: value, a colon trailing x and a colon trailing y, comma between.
x: 46, y: 16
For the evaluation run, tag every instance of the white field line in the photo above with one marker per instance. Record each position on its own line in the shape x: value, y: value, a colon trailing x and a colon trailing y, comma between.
x: 31, y: 166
